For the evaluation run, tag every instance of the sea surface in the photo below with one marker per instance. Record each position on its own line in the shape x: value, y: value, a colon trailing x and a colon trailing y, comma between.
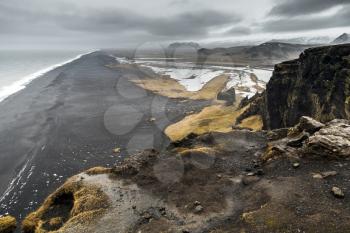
x: 18, y: 68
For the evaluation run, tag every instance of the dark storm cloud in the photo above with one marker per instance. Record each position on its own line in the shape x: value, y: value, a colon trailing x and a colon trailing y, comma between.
x: 117, y: 22
x: 303, y: 7
x: 113, y: 20
x: 184, y: 24
x: 197, y: 23
x: 340, y: 19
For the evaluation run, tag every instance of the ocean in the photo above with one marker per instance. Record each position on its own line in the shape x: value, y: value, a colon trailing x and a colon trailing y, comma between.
x: 18, y: 68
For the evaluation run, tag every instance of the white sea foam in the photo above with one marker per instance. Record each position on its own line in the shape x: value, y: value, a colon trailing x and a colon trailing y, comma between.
x: 11, y: 89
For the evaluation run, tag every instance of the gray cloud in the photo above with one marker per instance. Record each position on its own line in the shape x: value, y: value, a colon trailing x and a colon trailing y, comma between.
x: 238, y: 30
x: 340, y: 19
x: 117, y: 22
x: 179, y: 2
x: 110, y: 21
x: 197, y: 23
x: 303, y: 7
x: 184, y: 24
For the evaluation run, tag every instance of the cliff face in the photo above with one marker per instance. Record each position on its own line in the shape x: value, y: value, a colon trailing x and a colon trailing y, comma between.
x: 316, y: 85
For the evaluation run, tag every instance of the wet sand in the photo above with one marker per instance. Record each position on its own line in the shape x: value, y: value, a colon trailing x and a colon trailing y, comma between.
x: 71, y: 119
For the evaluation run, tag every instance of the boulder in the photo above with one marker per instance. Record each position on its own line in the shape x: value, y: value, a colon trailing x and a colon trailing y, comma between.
x: 309, y: 125
x: 228, y: 95
x: 332, y: 141
x: 337, y: 192
x: 198, y: 209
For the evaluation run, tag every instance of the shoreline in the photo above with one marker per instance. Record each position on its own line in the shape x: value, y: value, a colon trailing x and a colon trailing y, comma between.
x: 19, y: 85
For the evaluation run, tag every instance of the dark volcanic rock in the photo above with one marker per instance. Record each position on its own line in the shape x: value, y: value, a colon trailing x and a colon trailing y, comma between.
x: 298, y: 140
x: 228, y: 95
x: 316, y: 85
x: 277, y: 134
x: 309, y: 125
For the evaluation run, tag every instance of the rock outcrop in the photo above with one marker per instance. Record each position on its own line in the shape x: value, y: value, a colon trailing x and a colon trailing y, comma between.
x: 312, y: 139
x: 316, y: 85
x: 228, y: 95
x: 332, y: 140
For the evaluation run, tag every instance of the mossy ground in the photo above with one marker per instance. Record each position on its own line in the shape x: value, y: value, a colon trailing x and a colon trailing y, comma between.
x: 165, y: 86
x: 253, y: 122
x: 7, y: 224
x: 73, y: 203
x: 216, y: 118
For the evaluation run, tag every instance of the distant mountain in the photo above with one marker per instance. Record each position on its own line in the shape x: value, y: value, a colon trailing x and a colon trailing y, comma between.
x: 268, y: 53
x: 276, y: 50
x: 181, y: 48
x: 305, y: 40
x: 343, y: 39
x: 184, y: 45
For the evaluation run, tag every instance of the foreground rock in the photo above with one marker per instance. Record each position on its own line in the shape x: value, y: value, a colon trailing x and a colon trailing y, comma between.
x: 330, y: 140
x: 333, y: 140
x: 217, y: 182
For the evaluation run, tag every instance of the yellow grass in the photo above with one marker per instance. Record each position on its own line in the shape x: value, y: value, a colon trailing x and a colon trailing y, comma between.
x: 89, y: 201
x: 216, y: 118
x: 166, y: 86
x: 7, y: 224
x: 98, y: 170
x: 253, y: 122
x: 199, y: 151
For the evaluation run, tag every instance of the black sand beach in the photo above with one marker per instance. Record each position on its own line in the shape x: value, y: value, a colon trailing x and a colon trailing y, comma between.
x: 70, y: 120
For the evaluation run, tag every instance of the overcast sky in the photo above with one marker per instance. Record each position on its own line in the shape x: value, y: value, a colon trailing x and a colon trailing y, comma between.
x: 118, y: 23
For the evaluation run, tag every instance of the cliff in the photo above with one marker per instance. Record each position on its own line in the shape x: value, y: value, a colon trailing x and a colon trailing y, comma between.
x: 240, y: 181
x: 317, y: 85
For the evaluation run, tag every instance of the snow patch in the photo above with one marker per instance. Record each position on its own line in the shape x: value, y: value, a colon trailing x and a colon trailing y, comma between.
x: 246, y: 80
